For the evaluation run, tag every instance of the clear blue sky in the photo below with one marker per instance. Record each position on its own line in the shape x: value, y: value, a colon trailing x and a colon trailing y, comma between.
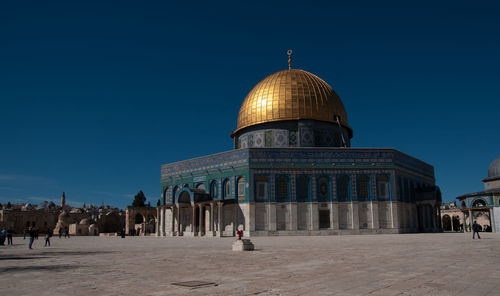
x: 96, y: 95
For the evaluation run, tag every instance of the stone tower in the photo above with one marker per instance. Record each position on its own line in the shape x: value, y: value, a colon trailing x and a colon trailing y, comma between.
x: 63, y: 200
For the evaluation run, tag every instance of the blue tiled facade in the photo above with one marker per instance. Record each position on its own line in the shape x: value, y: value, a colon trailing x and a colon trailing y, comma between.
x: 403, y: 172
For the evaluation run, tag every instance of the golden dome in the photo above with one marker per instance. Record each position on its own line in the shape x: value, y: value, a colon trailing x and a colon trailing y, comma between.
x: 291, y: 95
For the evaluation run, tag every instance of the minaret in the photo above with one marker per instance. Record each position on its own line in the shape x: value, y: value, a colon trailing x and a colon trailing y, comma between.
x: 63, y: 200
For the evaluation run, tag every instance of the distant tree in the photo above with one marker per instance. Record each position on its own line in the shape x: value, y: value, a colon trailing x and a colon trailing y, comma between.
x: 9, y: 205
x: 139, y: 199
x: 158, y: 203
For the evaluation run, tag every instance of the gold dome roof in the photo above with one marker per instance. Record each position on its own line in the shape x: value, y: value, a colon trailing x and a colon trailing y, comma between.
x: 291, y: 95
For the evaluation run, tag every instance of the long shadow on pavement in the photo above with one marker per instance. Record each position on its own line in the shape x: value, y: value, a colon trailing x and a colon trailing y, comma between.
x: 37, y: 268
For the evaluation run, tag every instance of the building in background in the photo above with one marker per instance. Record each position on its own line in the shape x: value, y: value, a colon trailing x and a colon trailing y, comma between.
x: 87, y: 220
x: 483, y: 207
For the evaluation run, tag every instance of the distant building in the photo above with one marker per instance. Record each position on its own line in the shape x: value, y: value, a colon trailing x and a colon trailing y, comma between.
x: 140, y: 220
x: 483, y: 206
x: 293, y: 172
x: 48, y: 216
x: 451, y: 217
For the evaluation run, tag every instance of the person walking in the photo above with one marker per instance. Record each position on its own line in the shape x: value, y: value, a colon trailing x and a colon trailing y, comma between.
x: 66, y: 232
x: 48, y: 234
x: 475, y: 230
x: 32, y: 237
x: 60, y: 232
x: 9, y: 237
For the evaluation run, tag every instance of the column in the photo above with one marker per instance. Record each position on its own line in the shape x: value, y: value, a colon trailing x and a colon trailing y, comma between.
x: 201, y: 229
x: 219, y: 218
x: 162, y: 221
x: 158, y: 221
x: 179, y: 233
x: 464, y: 222
x: 314, y: 215
x: 492, y: 221
x: 172, y: 221
x: 271, y: 211
x: 292, y: 220
x: 193, y: 219
x: 334, y: 216
x: 470, y: 220
x: 211, y: 227
x: 235, y: 218
x: 355, y: 215
x: 375, y: 221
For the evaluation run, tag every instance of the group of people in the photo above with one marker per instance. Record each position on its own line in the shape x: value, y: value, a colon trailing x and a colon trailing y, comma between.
x: 65, y: 231
x: 5, y: 235
x: 33, y: 234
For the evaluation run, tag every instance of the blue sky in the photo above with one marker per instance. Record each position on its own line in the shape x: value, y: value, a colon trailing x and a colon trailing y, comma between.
x: 96, y: 95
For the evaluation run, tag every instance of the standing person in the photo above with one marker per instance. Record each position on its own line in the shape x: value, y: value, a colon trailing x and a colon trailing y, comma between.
x: 47, y: 238
x: 9, y: 237
x: 60, y: 232
x: 32, y: 237
x: 475, y: 229
x: 66, y: 232
x: 3, y: 234
x: 24, y: 233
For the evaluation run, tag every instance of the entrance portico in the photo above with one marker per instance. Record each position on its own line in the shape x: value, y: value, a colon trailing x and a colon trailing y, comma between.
x: 193, y: 214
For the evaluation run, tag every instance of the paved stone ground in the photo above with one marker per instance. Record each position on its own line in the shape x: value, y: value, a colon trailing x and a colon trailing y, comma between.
x: 408, y: 264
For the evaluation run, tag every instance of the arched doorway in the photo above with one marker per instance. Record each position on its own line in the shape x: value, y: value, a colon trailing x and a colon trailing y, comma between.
x: 185, y: 213
x: 456, y: 223
x: 446, y: 223
x: 139, y: 219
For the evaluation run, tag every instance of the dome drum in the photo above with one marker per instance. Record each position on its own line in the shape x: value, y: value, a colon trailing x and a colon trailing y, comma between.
x: 298, y: 133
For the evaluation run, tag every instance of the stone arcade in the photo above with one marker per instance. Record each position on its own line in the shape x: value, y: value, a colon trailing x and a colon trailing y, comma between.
x: 293, y: 172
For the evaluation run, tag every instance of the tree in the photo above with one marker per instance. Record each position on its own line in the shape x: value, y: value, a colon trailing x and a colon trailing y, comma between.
x: 139, y: 199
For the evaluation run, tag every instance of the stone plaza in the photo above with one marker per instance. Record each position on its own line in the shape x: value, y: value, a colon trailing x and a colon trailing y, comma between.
x: 387, y: 264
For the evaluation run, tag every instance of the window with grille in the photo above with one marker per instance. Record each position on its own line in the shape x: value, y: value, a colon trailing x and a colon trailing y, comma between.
x: 241, y: 188
x: 343, y: 191
x: 303, y: 188
x: 363, y: 187
x: 323, y: 189
x: 282, y: 188
x: 383, y: 187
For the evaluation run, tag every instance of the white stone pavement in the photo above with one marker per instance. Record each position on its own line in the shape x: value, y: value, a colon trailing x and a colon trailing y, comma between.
x: 408, y: 264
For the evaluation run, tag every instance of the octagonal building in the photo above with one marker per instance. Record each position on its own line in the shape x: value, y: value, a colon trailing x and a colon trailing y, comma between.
x: 293, y: 172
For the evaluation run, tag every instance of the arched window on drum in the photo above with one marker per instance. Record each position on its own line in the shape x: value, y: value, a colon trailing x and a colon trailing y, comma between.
x: 227, y: 189
x: 213, y: 190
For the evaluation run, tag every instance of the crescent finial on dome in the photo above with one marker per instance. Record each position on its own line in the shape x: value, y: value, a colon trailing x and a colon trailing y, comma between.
x: 289, y: 53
